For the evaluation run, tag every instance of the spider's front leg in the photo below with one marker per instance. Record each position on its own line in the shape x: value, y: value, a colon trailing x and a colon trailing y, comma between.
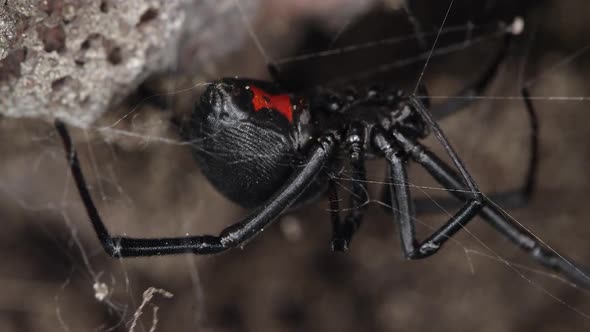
x: 490, y: 212
x: 230, y: 237
x: 402, y: 203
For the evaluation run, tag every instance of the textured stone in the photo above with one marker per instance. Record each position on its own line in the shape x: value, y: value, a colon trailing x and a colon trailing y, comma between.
x: 75, y: 59
x: 72, y: 59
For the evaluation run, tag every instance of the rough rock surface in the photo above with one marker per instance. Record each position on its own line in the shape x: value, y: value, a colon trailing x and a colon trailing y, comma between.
x: 72, y: 59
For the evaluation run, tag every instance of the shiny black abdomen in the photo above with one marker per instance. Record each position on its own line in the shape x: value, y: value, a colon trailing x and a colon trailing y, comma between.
x: 246, y: 165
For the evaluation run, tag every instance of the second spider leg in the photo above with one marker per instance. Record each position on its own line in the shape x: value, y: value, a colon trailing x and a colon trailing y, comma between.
x: 343, y: 231
x: 402, y: 208
x: 508, y: 199
x: 467, y: 95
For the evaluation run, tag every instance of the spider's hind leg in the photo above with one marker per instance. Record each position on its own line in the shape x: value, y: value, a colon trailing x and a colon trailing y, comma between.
x: 230, y: 237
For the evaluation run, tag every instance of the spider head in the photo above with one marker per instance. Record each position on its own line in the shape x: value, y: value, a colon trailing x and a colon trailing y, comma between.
x: 408, y: 120
x: 243, y: 138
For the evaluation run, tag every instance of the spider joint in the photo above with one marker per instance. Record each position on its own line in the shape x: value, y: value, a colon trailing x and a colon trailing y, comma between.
x: 428, y: 249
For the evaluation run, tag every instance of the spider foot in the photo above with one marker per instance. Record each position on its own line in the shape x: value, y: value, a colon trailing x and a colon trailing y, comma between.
x: 339, y: 244
x: 422, y: 251
x: 428, y: 249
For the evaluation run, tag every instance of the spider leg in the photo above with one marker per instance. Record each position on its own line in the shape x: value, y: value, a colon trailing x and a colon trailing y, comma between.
x: 471, y: 207
x: 232, y: 236
x: 359, y: 197
x: 509, y: 199
x: 402, y: 207
x: 493, y: 215
x: 274, y: 72
x: 513, y: 198
x: 334, y: 202
x: 460, y: 100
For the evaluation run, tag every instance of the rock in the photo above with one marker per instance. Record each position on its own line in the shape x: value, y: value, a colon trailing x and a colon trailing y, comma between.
x: 72, y: 59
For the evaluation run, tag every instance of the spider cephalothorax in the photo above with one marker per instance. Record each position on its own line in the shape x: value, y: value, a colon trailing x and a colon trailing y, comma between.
x: 268, y: 150
x: 368, y: 107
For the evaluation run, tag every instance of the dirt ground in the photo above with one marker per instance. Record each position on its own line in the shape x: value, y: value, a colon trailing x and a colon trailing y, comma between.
x: 53, y: 270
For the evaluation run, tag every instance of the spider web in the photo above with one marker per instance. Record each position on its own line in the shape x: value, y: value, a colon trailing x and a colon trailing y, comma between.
x: 145, y: 183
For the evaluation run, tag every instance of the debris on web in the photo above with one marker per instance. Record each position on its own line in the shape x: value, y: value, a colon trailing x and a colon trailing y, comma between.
x: 148, y: 294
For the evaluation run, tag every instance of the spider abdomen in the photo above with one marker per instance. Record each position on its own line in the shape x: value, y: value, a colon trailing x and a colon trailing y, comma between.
x: 245, y: 164
x: 244, y: 137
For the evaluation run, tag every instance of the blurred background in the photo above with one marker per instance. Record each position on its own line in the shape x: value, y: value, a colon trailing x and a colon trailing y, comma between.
x: 122, y: 75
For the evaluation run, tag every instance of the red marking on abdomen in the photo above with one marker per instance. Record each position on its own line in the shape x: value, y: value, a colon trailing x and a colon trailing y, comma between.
x: 280, y: 103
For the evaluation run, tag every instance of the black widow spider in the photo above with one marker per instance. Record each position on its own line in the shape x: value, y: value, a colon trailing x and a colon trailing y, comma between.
x: 269, y: 150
